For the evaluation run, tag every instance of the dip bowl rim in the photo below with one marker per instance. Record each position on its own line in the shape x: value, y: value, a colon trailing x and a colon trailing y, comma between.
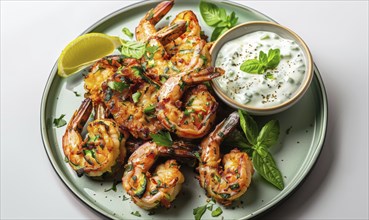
x: 233, y: 33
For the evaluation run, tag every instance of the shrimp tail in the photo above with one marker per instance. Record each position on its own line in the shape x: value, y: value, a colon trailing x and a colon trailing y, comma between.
x: 171, y: 32
x: 81, y: 116
x: 203, y: 75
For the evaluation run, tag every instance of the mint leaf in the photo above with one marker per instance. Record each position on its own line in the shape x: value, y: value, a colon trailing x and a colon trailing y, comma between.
x: 223, y: 24
x: 264, y: 164
x: 217, y: 32
x: 218, y: 211
x: 133, y: 49
x: 274, y: 57
x: 59, y: 122
x: 263, y: 58
x: 127, y: 32
x: 222, y: 14
x: 233, y: 19
x: 162, y: 138
x: 249, y: 127
x: 210, y: 13
x: 199, y: 212
x: 252, y: 66
x: 218, y: 18
x: 264, y: 62
x: 269, y: 134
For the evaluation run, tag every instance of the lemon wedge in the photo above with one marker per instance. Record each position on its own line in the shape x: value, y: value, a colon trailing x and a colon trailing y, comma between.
x: 84, y: 50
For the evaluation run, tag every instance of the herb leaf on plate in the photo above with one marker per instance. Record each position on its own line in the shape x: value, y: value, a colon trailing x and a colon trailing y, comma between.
x: 199, y: 212
x: 269, y: 134
x: 265, y: 165
x: 262, y: 159
x: 217, y: 17
x: 59, y: 122
x: 249, y: 126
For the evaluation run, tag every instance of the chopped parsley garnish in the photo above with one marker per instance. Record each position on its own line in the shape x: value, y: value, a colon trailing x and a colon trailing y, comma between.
x: 162, y: 138
x: 127, y: 32
x: 136, y: 213
x: 117, y: 86
x: 76, y: 93
x: 136, y: 96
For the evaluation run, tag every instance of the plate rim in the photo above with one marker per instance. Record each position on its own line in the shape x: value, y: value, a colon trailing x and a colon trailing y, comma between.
x: 261, y: 211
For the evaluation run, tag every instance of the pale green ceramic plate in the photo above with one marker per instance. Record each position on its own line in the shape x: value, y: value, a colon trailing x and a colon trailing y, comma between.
x: 303, y: 129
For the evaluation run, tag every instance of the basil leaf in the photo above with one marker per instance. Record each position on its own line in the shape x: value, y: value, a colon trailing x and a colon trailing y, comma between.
x: 218, y: 31
x: 136, y: 96
x: 274, y: 57
x: 199, y: 212
x: 210, y: 13
x: 127, y: 32
x: 249, y: 127
x: 162, y: 138
x: 218, y: 211
x: 252, y: 66
x: 269, y: 134
x: 117, y: 86
x: 133, y: 49
x: 264, y: 164
x: 59, y: 122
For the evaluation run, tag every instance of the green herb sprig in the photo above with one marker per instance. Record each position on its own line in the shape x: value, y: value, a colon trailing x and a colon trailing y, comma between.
x: 199, y: 211
x: 265, y: 61
x: 217, y: 17
x: 256, y: 144
x: 134, y: 49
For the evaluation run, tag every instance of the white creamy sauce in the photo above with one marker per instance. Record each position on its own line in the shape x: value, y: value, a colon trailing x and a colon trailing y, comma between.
x: 261, y: 90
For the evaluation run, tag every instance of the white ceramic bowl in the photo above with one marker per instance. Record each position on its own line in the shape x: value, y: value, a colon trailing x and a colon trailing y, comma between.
x: 247, y: 28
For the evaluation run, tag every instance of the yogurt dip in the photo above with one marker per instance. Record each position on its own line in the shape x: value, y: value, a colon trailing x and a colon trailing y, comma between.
x: 268, y: 89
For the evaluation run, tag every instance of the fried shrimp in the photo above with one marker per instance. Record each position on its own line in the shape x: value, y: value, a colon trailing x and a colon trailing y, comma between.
x: 103, y: 149
x: 194, y: 118
x: 151, y: 190
x: 227, y: 184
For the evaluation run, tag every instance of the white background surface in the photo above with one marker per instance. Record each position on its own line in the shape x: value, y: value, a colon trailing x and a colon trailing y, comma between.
x: 34, y: 33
